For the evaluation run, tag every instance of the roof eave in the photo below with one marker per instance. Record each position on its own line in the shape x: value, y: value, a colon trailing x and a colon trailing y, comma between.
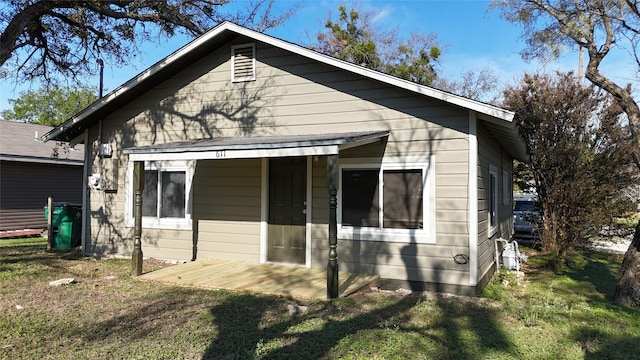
x: 40, y: 160
x: 134, y: 82
x: 490, y: 112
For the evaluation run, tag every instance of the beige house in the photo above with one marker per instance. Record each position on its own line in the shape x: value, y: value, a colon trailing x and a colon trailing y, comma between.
x: 238, y: 132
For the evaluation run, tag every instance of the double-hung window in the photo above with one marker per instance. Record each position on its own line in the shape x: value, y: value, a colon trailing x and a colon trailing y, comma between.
x: 165, y: 198
x: 164, y: 194
x: 386, y: 202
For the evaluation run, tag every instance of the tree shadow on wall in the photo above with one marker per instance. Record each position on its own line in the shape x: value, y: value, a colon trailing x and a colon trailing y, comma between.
x: 179, y: 110
x: 236, y: 109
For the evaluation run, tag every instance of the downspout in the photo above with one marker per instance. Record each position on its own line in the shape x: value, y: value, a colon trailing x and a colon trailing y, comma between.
x: 85, y: 192
x: 101, y: 65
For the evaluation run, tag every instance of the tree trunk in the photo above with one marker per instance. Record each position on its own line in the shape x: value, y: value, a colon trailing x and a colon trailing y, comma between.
x: 628, y: 289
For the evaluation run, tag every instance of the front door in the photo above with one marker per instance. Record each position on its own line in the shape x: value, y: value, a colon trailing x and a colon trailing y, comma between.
x: 287, y: 210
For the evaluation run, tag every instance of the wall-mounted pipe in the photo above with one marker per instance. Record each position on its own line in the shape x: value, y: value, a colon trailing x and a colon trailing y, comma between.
x: 101, y: 66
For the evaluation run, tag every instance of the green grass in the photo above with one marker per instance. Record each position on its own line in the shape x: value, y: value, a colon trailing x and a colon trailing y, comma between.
x: 22, y: 241
x: 108, y: 314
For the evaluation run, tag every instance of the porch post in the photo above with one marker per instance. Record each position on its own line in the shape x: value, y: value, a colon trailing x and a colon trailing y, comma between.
x: 332, y: 267
x: 138, y: 184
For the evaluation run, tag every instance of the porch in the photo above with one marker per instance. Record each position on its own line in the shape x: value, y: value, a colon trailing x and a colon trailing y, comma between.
x: 281, y: 280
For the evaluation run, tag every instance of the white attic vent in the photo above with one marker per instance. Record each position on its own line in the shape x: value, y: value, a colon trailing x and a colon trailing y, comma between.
x: 243, y: 62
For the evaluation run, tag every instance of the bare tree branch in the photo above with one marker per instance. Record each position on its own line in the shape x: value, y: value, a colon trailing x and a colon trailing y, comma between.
x: 45, y: 38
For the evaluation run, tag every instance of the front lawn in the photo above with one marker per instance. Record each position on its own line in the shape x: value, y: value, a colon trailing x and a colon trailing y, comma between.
x: 108, y: 314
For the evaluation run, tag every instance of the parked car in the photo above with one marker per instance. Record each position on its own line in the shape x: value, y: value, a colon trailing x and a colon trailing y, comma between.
x: 527, y: 218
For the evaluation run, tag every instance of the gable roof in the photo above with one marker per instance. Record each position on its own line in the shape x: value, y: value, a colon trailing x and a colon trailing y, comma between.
x: 21, y: 142
x: 500, y: 122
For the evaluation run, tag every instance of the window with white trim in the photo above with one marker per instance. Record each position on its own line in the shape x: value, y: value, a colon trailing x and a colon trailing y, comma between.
x: 493, y: 200
x: 165, y: 198
x: 164, y: 194
x: 243, y: 62
x: 388, y: 202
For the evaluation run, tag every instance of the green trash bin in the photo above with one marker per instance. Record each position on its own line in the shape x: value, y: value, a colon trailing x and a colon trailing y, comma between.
x: 66, y: 221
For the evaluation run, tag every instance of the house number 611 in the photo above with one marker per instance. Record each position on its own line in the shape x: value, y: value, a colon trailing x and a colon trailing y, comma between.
x: 220, y: 154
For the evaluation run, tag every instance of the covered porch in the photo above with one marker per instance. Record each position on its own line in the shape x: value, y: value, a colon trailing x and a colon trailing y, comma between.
x: 281, y: 280
x: 282, y: 209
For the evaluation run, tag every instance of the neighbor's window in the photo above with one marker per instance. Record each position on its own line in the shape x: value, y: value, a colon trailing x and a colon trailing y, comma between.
x: 381, y: 200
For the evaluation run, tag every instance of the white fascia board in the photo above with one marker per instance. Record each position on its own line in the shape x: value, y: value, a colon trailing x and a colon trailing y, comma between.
x: 470, y: 104
x: 236, y: 154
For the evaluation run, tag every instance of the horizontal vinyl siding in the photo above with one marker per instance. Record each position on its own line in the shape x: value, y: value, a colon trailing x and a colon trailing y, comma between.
x: 404, y: 261
x: 25, y: 188
x: 109, y: 231
x: 401, y: 261
x: 491, y: 153
x: 227, y: 209
x: 292, y: 95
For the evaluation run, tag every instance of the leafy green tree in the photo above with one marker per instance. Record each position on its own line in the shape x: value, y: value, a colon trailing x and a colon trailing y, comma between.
x: 43, y: 38
x: 354, y: 38
x: 600, y: 27
x: 49, y: 106
x: 579, y: 155
x: 350, y: 40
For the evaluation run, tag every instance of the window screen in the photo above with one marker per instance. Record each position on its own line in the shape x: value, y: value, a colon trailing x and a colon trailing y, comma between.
x: 403, y: 199
x: 164, y: 194
x: 150, y: 193
x: 360, y: 198
x: 173, y: 187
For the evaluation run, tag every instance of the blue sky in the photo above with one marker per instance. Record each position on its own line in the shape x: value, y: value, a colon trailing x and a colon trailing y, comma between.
x: 472, y: 37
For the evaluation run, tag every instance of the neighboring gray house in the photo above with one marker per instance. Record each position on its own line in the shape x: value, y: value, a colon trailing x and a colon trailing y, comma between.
x: 30, y: 173
x: 236, y: 129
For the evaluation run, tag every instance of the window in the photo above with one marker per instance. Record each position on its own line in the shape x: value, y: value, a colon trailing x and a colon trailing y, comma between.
x: 165, y: 198
x: 243, y: 63
x: 360, y: 206
x: 164, y: 194
x: 385, y: 202
x: 493, y: 200
x: 403, y: 199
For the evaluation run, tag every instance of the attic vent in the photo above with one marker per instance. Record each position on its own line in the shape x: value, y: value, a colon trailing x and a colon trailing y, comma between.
x: 243, y: 62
